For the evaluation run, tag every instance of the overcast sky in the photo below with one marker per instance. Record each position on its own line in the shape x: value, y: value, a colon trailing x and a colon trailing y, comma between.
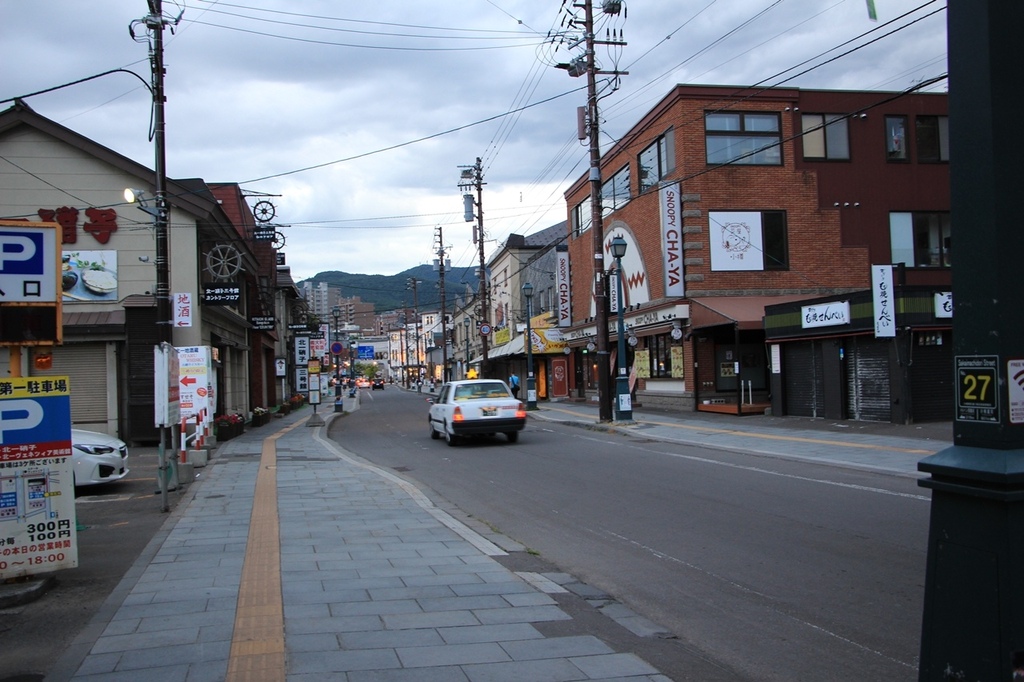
x: 356, y: 116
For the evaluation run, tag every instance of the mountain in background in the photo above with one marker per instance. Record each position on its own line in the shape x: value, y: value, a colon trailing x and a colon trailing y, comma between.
x: 391, y: 292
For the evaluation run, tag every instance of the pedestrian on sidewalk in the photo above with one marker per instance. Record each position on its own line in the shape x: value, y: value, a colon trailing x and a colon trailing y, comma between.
x: 513, y: 382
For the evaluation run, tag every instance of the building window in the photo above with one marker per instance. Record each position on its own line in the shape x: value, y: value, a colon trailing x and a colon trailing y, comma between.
x: 656, y: 161
x: 615, y: 191
x: 747, y: 139
x: 826, y: 136
x: 932, y: 139
x: 921, y: 240
x: 896, y: 138
x: 661, y: 355
x: 748, y: 240
x: 582, y: 217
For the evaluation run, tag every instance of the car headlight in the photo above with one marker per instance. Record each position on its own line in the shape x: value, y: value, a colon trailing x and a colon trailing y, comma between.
x: 95, y: 449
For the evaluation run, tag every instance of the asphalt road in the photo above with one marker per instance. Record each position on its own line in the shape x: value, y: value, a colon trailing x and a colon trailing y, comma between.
x: 115, y: 523
x: 769, y: 569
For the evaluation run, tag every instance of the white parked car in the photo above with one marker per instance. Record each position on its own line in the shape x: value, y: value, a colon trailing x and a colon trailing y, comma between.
x: 476, y: 407
x: 97, y: 458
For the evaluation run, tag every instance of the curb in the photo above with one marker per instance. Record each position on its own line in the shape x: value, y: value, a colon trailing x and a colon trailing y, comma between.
x: 16, y: 594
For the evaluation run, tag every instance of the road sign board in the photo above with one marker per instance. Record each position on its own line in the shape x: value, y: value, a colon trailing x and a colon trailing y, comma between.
x: 37, y: 487
x: 29, y: 262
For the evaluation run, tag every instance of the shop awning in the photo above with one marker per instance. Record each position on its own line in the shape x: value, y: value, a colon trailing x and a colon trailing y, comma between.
x: 513, y: 347
x: 747, y: 312
x: 545, y: 340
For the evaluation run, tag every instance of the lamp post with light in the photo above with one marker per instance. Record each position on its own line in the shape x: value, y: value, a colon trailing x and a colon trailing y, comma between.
x: 338, y: 404
x: 531, y: 383
x: 466, y: 323
x: 623, y: 403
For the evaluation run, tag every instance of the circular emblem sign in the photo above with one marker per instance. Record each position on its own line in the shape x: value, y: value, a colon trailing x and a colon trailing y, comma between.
x: 336, y: 348
x: 485, y: 329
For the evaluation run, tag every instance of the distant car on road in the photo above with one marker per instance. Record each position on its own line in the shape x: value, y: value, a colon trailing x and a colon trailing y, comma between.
x: 378, y: 384
x: 362, y: 382
x: 97, y: 458
x: 476, y: 407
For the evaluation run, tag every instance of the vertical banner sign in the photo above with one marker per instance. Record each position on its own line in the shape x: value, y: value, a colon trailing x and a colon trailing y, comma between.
x: 182, y: 310
x: 37, y: 487
x: 884, y: 301
x: 672, y: 239
x: 167, y: 388
x: 318, y: 343
x: 313, y: 374
x: 196, y: 381
x: 301, y: 350
x: 562, y: 286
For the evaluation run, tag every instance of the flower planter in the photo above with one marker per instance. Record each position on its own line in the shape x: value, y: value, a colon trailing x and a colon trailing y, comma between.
x: 260, y: 419
x: 228, y: 431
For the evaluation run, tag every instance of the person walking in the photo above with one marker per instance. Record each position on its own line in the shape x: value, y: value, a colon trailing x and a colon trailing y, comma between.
x: 513, y: 383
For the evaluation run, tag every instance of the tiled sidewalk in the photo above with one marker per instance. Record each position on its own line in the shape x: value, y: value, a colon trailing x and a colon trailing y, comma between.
x: 377, y: 584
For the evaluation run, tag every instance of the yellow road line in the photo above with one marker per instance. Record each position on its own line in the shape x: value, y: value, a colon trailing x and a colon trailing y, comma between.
x: 257, y: 645
x: 768, y: 436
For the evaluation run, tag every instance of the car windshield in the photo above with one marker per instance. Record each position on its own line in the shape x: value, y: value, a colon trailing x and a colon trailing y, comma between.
x: 491, y: 389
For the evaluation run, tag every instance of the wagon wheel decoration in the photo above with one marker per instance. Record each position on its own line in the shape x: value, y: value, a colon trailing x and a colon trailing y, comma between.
x: 264, y: 211
x: 279, y: 240
x: 223, y: 261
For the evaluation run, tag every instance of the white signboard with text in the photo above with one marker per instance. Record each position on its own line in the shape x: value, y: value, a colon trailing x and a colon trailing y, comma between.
x: 196, y: 382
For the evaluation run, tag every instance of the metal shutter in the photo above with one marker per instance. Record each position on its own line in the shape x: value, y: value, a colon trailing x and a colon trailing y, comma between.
x: 931, y: 380
x: 85, y: 365
x: 804, y: 379
x: 867, y: 380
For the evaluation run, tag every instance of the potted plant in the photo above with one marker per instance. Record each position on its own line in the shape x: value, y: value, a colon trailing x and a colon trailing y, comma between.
x: 260, y: 416
x: 228, y: 426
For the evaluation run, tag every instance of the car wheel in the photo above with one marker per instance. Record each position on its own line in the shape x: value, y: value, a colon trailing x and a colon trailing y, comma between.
x: 451, y: 438
x: 434, y: 435
x: 512, y: 436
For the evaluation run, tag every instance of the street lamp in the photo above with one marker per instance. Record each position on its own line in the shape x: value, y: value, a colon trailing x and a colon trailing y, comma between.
x: 624, y: 404
x: 466, y: 322
x: 531, y: 383
x: 338, y: 404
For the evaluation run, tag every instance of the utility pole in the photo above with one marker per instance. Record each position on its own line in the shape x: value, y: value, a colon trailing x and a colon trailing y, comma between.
x: 154, y: 23
x: 413, y: 284
x: 604, y: 393
x: 440, y: 264
x: 473, y: 178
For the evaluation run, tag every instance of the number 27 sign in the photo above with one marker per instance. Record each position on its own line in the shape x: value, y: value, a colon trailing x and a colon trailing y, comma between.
x: 977, y: 388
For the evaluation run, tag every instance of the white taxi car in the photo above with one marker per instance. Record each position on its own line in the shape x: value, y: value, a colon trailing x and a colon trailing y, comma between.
x: 476, y: 407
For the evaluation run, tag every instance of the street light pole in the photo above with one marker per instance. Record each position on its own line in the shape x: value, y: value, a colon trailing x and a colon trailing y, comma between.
x: 531, y: 382
x: 466, y: 322
x: 339, y: 405
x: 624, y: 403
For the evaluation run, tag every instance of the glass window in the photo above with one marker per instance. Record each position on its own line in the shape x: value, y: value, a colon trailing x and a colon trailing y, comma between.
x: 660, y: 354
x: 582, y: 217
x: 748, y: 241
x: 896, y: 138
x: 826, y: 136
x: 921, y: 240
x: 747, y: 139
x: 655, y: 162
x: 932, y: 139
x: 776, y: 247
x: 615, y: 191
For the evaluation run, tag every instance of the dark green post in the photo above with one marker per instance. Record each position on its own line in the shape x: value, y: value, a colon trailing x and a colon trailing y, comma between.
x: 973, y: 625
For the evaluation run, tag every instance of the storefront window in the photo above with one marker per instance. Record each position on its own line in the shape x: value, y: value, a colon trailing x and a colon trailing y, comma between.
x: 661, y: 355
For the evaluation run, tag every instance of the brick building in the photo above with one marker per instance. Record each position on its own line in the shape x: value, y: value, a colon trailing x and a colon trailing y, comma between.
x: 733, y: 200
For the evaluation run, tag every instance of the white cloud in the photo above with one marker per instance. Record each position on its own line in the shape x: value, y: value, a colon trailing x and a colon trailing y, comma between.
x: 241, y: 105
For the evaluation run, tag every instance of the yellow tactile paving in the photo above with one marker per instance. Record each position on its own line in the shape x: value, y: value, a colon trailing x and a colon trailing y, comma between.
x: 257, y: 646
